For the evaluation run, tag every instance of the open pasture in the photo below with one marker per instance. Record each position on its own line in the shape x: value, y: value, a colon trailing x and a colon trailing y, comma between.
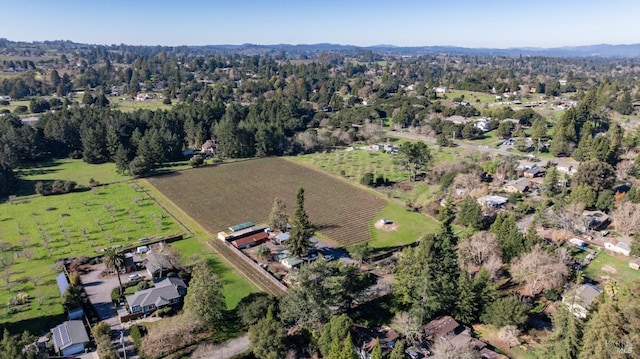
x: 37, y: 231
x: 231, y: 193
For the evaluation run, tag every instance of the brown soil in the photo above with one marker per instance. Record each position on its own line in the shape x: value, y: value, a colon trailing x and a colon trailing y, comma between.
x: 386, y: 227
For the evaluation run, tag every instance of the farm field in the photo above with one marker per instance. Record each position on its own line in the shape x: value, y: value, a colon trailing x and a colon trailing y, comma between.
x: 38, y: 231
x: 231, y: 193
x: 353, y: 164
x: 217, y: 199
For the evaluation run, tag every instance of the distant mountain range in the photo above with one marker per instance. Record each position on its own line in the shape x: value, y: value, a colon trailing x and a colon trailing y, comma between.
x: 602, y: 50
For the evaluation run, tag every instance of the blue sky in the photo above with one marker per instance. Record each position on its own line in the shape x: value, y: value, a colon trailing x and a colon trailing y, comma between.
x: 470, y: 23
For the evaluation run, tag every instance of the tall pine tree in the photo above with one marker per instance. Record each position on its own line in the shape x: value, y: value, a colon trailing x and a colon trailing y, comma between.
x: 302, y: 230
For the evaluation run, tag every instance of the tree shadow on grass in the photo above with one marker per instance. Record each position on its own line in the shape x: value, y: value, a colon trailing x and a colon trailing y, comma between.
x: 218, y: 268
x: 36, y: 326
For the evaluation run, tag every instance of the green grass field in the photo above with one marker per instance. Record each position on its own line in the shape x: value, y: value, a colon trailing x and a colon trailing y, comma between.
x: 37, y: 231
x: 132, y: 105
x: 623, y: 274
x: 411, y: 226
x: 72, y: 170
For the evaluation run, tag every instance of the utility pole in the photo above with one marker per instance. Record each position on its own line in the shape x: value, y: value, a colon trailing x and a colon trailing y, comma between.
x: 124, y: 352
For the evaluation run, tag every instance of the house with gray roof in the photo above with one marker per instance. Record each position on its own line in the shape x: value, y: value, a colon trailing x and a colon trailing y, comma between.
x: 579, y: 299
x: 166, y: 292
x: 70, y: 338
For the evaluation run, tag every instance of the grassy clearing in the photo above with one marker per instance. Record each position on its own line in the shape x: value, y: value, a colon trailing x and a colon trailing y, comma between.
x: 13, y: 104
x: 132, y: 105
x: 623, y: 274
x: 411, y: 226
x: 232, y: 193
x: 72, y: 170
x: 471, y: 97
x: 235, y: 287
x: 39, y: 230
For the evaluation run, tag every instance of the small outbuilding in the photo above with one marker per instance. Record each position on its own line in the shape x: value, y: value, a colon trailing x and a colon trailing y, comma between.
x: 70, y: 338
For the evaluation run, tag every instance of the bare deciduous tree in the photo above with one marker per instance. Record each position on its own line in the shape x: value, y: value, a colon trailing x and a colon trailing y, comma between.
x: 468, y: 182
x: 446, y: 348
x: 538, y: 270
x: 481, y: 250
x: 626, y: 217
x: 509, y: 334
x: 408, y: 325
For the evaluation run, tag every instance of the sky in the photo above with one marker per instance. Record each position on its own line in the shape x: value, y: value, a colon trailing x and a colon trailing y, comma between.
x: 467, y: 23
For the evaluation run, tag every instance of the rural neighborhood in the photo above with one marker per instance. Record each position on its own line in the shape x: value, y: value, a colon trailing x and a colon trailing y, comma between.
x: 317, y: 201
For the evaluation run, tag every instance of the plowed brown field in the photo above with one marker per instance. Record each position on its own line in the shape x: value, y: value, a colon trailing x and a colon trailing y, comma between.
x: 232, y: 193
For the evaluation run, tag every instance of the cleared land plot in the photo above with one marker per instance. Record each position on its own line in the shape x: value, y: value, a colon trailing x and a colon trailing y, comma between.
x: 232, y: 193
x: 37, y: 231
x: 609, y: 266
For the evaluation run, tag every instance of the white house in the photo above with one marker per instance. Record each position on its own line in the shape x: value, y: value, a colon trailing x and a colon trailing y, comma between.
x: 618, y: 245
x: 492, y: 201
x: 482, y: 124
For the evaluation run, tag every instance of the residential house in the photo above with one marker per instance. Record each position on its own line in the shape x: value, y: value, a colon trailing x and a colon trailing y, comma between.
x: 482, y: 124
x: 534, y: 172
x: 291, y: 262
x: 365, y: 339
x: 492, y: 201
x: 70, y: 338
x: 518, y: 186
x: 618, y: 245
x: 166, y: 292
x: 593, y: 220
x: 579, y: 299
x: 157, y: 265
x: 447, y: 328
x: 5, y: 98
x: 457, y: 119
x: 440, y: 90
x: 282, y: 237
x: 208, y: 147
x: 634, y: 264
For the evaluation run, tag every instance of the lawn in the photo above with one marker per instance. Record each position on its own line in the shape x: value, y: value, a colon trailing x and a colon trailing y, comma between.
x: 411, y: 226
x: 224, y: 195
x: 72, y: 170
x: 235, y: 287
x: 40, y: 230
x: 132, y: 105
x: 623, y: 274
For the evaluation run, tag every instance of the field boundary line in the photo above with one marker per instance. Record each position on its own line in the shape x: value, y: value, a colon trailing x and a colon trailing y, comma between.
x: 145, y: 191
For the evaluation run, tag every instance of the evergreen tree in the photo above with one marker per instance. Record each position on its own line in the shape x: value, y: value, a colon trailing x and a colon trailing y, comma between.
x: 467, y: 301
x: 278, y: 218
x: 376, y: 353
x: 550, y: 183
x: 563, y: 342
x: 470, y: 213
x: 204, y: 298
x: 302, y: 230
x: 510, y: 239
x: 485, y: 291
x: 398, y: 351
x: 8, y: 346
x: 348, y: 349
x: 266, y: 338
x: 335, y: 330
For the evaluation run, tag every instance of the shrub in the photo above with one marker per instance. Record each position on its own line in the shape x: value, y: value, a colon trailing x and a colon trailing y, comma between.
x: 74, y: 278
x: 367, y: 179
x: 164, y: 312
x: 166, y: 101
x: 21, y: 109
x: 101, y: 329
x: 143, y: 285
x: 137, y: 332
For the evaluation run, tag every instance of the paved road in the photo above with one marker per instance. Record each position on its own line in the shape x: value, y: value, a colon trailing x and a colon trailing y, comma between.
x: 227, y: 350
x: 424, y: 138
